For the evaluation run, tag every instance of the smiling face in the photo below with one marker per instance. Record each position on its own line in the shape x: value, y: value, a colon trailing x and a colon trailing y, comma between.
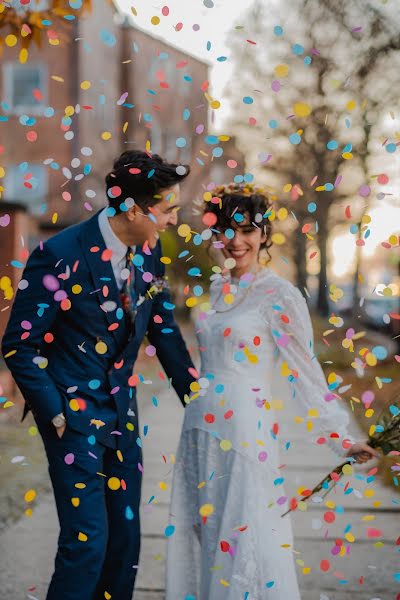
x: 145, y: 226
x: 244, y: 247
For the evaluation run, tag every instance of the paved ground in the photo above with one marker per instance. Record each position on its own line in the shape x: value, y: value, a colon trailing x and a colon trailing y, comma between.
x: 366, y: 572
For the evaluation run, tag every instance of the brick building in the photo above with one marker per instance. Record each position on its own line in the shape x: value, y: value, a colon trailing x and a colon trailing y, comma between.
x: 106, y: 79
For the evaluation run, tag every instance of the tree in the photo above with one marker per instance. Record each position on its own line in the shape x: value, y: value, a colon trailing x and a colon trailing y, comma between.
x: 306, y: 94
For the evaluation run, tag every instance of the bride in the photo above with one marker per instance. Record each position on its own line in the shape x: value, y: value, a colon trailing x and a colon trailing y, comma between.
x: 230, y: 542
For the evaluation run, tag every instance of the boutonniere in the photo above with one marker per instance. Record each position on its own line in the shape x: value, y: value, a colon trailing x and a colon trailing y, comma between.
x: 157, y: 286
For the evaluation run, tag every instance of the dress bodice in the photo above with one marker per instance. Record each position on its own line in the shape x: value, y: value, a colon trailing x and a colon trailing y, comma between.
x: 256, y: 340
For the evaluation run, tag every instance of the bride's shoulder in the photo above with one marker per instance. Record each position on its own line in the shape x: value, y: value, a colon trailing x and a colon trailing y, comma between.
x: 276, y: 285
x: 278, y: 292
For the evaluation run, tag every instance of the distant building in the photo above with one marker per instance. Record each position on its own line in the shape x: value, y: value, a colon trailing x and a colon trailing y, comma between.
x: 141, y: 90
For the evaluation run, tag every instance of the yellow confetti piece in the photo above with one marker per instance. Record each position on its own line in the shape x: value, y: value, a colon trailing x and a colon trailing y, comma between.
x: 282, y: 214
x: 206, y: 510
x: 351, y: 105
x: 80, y: 486
x: 201, y: 485
x: 114, y: 483
x: 82, y: 537
x: 107, y: 596
x: 11, y: 40
x: 368, y: 518
x: 155, y: 20
x: 278, y: 238
x: 369, y: 493
x: 281, y: 70
x: 225, y: 445
x: 194, y: 386
x: 8, y: 404
x: 75, y: 502
x: 29, y: 496
x: 101, y: 347
x: 106, y: 135
x: 224, y: 583
x: 125, y: 127
x: 130, y: 426
x: 163, y: 486
x: 192, y: 301
x: 69, y: 111
x: 184, y: 230
x: 347, y: 469
x: 32, y: 431
x: 306, y: 570
x: 74, y: 404
x: 119, y: 456
x: 23, y: 56
x: 301, y: 109
x: 29, y: 512
x: 350, y: 537
x: 229, y: 298
x: 57, y: 78
x: 86, y: 85
x: 76, y: 289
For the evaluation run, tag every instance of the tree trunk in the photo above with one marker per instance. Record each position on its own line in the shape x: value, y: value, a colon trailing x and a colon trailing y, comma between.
x: 322, y: 301
x: 300, y: 259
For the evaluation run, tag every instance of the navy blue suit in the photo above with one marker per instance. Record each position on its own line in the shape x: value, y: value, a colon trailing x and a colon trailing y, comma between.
x: 83, y: 369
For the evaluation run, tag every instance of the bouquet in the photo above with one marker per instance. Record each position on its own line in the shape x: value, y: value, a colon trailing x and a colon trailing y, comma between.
x: 384, y: 436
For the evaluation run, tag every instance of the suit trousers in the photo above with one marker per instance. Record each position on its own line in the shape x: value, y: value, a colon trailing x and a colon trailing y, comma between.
x: 97, y: 494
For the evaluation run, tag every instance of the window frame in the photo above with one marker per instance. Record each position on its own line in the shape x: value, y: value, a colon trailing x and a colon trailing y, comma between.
x: 36, y: 109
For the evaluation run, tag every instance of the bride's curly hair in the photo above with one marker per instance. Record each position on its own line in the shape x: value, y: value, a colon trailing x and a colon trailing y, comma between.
x: 242, y: 198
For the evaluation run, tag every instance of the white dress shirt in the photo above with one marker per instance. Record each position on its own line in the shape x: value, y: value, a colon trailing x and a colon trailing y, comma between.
x: 118, y: 248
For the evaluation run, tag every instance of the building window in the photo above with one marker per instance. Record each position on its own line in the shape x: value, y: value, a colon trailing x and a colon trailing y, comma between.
x: 20, y: 82
x: 26, y: 184
x: 33, y: 6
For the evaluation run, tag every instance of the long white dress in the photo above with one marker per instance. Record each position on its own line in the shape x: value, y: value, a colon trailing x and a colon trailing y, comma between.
x: 227, y: 461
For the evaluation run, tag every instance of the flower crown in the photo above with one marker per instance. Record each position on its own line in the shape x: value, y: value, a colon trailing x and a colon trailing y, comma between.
x: 244, y: 189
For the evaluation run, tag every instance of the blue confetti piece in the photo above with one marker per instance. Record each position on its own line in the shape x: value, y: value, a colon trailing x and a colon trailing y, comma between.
x: 108, y: 38
x: 129, y: 513
x: 168, y: 305
x: 154, y: 401
x: 169, y: 530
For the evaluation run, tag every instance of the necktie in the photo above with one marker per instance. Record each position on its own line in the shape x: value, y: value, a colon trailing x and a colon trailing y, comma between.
x: 127, y: 293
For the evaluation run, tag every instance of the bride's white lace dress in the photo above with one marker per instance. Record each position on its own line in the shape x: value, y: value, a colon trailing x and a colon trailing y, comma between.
x: 228, y: 452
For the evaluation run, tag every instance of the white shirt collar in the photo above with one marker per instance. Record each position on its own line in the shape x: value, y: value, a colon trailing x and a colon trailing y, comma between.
x: 113, y: 243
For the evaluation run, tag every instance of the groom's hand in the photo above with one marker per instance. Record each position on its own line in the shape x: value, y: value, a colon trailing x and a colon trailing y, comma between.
x: 362, y: 452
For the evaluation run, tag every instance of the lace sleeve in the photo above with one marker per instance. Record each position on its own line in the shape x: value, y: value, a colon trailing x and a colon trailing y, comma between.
x: 291, y: 328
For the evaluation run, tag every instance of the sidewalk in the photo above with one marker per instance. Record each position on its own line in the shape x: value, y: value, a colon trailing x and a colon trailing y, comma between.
x: 366, y: 572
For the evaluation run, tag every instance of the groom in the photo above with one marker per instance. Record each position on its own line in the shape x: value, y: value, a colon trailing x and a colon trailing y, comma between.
x: 86, y: 300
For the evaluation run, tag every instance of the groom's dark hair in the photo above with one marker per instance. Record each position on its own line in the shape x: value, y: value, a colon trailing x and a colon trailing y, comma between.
x: 141, y: 176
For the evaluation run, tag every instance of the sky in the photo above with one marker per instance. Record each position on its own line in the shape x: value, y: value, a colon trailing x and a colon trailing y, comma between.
x: 214, y: 25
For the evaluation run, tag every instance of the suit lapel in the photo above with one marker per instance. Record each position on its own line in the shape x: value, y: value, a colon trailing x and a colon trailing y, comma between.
x: 105, y: 286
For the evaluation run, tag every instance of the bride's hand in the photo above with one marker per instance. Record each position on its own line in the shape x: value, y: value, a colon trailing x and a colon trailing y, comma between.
x: 362, y: 452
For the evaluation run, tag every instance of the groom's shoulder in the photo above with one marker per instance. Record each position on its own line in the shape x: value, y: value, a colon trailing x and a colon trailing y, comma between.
x: 66, y: 241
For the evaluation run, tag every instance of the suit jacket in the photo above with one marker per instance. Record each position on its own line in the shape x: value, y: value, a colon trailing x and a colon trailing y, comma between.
x: 67, y: 342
